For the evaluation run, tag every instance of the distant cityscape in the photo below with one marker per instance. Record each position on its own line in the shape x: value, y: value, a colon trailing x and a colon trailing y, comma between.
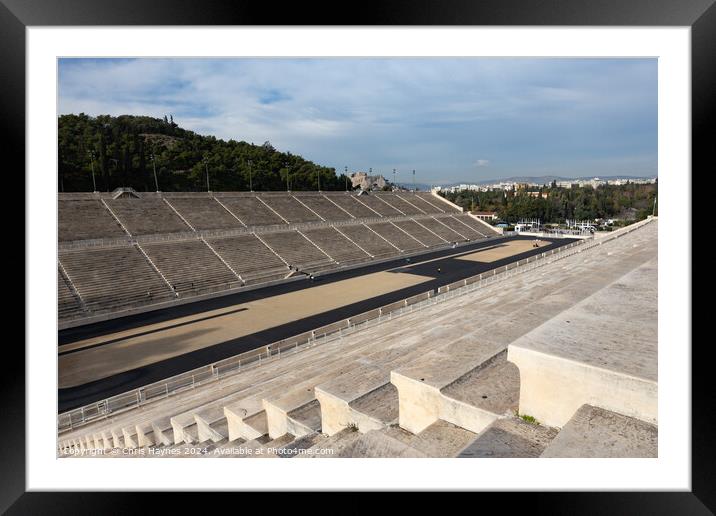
x: 528, y: 183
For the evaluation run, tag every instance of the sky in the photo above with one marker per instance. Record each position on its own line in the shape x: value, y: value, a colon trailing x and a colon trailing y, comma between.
x: 452, y: 120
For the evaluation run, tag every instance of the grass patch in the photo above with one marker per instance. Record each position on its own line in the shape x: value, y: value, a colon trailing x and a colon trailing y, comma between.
x: 527, y: 419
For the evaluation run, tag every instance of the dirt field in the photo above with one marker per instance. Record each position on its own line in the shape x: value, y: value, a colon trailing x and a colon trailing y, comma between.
x: 126, y: 350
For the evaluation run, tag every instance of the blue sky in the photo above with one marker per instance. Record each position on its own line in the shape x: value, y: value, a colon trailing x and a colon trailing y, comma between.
x: 450, y: 119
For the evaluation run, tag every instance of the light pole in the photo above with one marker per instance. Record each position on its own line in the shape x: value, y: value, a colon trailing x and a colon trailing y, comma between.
x: 394, y: 179
x: 318, y: 178
x: 251, y: 186
x: 206, y: 166
x: 154, y: 167
x: 346, y: 174
x: 413, y: 180
x: 288, y: 173
x: 91, y: 155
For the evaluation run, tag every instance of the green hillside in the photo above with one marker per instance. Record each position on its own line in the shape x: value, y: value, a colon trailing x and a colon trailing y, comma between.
x: 121, y: 149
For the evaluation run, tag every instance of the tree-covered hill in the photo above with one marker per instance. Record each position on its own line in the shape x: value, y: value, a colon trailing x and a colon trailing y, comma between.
x: 551, y: 203
x: 121, y: 150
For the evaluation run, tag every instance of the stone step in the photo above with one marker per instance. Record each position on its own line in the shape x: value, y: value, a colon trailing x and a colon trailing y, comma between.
x: 379, y: 444
x: 456, y: 367
x: 595, y: 432
x: 332, y: 446
x: 299, y: 445
x: 510, y: 438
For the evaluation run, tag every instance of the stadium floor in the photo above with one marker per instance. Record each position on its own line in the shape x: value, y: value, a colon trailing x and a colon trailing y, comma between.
x: 107, y: 358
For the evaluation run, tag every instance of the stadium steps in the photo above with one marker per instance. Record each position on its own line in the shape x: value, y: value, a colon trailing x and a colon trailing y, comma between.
x: 204, y: 213
x: 510, y: 438
x: 249, y: 257
x: 267, y: 409
x: 190, y: 266
x: 439, y: 201
x: 396, y: 236
x: 353, y: 205
x: 323, y: 207
x: 478, y: 225
x: 337, y: 443
x: 370, y: 241
x: 337, y: 246
x: 298, y: 445
x: 343, y: 397
x: 86, y: 220
x: 458, y: 227
x: 439, y: 440
x: 251, y: 211
x: 69, y: 302
x: 420, y: 233
x: 295, y: 249
x: 400, y: 204
x: 443, y: 231
x: 417, y: 208
x: 297, y: 412
x: 421, y: 203
x: 377, y: 444
x: 436, y: 386
x: 147, y: 216
x: 113, y: 277
x: 594, y: 432
x: 467, y: 229
x: 378, y: 207
x: 290, y: 208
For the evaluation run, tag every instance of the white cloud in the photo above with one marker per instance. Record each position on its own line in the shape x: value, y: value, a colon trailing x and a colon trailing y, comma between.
x: 482, y: 162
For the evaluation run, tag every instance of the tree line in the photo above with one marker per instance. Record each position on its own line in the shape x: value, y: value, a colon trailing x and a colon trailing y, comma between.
x: 551, y: 203
x: 126, y: 151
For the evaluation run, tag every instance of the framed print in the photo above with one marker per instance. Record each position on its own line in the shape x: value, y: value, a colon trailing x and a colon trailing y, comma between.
x: 426, y: 236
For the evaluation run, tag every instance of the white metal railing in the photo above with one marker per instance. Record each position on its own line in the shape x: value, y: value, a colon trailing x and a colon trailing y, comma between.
x: 232, y: 365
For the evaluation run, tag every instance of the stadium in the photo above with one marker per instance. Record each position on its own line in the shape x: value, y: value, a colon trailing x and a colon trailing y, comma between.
x: 343, y: 324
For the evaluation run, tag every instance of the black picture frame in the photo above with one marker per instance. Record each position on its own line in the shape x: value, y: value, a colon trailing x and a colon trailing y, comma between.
x: 700, y: 15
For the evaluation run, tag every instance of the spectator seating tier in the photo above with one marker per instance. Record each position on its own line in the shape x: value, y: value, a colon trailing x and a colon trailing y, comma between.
x: 112, y: 277
x: 250, y: 258
x: 147, y: 216
x: 368, y: 240
x: 478, y: 226
x: 399, y: 203
x: 438, y: 203
x: 336, y: 245
x: 251, y: 211
x: 67, y: 302
x: 86, y: 220
x: 352, y: 205
x: 416, y: 230
x: 434, y: 225
x: 204, y: 213
x: 290, y: 208
x: 379, y: 206
x: 396, y: 237
x: 324, y: 207
x: 190, y: 266
x: 295, y: 249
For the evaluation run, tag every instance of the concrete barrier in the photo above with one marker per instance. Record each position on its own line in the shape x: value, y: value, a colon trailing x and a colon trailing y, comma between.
x: 554, y: 388
x: 278, y: 413
x: 241, y: 427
